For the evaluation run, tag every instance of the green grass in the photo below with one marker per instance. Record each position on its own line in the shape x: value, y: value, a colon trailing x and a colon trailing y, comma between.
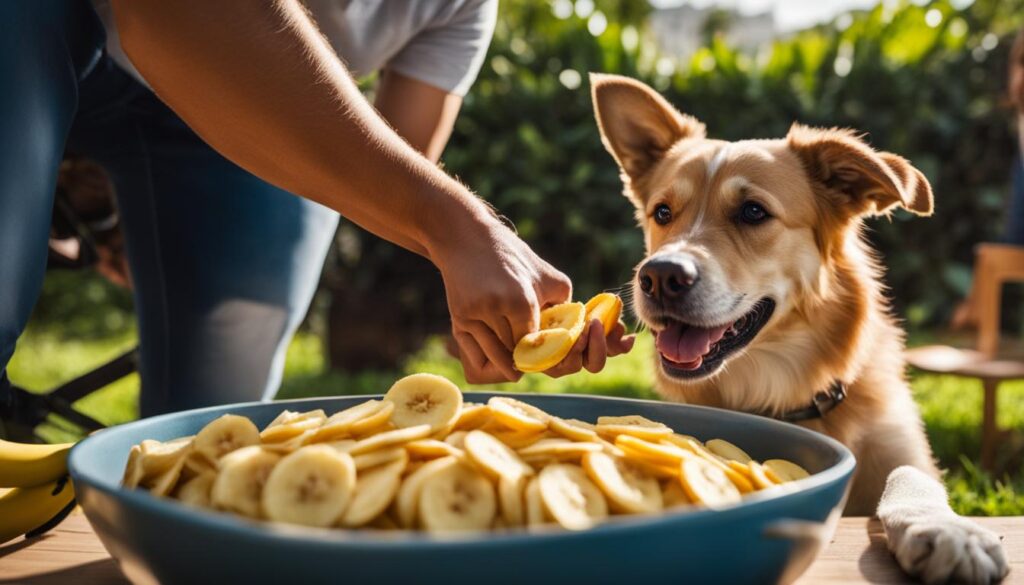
x: 951, y: 407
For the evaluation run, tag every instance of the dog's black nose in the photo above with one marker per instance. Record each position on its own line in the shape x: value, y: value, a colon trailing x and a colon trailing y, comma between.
x: 668, y: 277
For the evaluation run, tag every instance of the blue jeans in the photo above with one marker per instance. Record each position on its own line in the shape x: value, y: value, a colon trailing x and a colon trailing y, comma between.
x: 224, y: 265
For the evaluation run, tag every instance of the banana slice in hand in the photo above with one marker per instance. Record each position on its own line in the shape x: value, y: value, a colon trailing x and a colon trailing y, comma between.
x: 240, y: 479
x: 311, y: 486
x: 629, y: 488
x: 568, y: 316
x: 570, y: 498
x: 425, y: 399
x: 457, y: 498
x: 224, y: 435
x: 542, y: 350
x: 606, y: 308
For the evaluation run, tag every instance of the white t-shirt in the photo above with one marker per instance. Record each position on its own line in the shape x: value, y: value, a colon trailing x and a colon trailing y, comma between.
x: 439, y: 42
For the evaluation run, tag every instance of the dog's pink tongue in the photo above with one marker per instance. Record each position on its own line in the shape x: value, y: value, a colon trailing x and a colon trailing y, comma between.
x: 684, y: 344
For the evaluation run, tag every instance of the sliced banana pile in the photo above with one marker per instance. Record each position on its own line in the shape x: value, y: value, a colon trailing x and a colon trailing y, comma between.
x: 422, y: 459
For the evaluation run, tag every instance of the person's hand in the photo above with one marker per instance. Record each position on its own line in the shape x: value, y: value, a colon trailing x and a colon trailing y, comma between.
x: 496, y: 286
x: 593, y: 348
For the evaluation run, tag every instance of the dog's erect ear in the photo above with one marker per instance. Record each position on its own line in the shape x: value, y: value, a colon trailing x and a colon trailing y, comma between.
x: 637, y: 125
x: 864, y: 182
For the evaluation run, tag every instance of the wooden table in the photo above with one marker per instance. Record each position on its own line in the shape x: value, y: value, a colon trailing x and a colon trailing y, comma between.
x: 857, y: 554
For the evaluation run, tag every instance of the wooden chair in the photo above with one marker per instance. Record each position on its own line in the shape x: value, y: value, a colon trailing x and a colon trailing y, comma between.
x: 995, y: 265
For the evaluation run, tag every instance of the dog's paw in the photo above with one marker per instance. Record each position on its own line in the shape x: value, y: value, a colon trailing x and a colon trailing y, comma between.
x: 950, y: 549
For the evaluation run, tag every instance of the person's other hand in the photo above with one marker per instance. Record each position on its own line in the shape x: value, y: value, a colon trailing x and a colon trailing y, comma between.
x: 496, y: 286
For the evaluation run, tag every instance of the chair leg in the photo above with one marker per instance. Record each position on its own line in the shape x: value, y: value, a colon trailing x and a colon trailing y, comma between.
x: 989, y: 428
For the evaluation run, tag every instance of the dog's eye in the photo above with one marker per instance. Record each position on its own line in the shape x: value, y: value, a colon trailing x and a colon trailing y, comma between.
x: 753, y: 213
x: 662, y: 214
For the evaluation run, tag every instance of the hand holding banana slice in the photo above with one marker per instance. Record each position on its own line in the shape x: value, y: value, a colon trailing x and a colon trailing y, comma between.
x: 574, y: 336
x: 422, y: 459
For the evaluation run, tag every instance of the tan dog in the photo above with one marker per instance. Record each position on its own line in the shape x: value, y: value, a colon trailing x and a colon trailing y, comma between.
x: 764, y: 298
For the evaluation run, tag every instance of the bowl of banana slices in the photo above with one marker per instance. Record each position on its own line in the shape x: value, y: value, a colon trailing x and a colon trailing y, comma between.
x: 428, y: 483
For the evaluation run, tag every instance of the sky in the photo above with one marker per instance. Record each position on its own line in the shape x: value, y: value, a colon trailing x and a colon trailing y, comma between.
x: 789, y: 14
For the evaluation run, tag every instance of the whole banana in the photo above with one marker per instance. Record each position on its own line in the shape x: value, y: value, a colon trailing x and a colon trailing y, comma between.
x: 23, y: 465
x: 25, y: 510
x: 42, y: 493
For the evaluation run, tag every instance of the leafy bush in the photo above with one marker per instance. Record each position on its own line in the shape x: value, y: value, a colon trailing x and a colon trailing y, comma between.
x: 930, y: 89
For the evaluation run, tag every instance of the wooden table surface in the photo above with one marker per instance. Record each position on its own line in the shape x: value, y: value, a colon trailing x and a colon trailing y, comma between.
x: 857, y: 554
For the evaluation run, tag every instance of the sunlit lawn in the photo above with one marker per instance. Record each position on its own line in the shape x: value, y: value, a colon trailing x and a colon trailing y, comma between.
x: 951, y: 407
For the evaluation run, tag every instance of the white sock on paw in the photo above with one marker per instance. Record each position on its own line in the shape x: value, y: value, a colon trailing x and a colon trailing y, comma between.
x: 929, y: 540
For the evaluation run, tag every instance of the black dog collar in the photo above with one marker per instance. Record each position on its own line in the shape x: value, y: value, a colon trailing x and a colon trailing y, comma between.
x: 822, y: 404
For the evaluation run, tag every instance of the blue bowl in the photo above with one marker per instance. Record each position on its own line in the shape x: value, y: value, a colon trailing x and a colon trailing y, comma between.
x: 770, y: 537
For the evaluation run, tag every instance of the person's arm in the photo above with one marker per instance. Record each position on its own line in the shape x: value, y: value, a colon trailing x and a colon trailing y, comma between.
x: 259, y: 84
x: 422, y: 114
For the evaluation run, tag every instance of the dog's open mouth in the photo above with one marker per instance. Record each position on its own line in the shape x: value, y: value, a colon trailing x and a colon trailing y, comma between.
x: 689, y: 351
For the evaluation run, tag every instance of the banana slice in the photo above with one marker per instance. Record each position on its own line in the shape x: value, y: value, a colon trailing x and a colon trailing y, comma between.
x: 340, y: 425
x: 224, y: 435
x: 679, y: 440
x: 198, y: 464
x: 606, y: 308
x: 158, y: 457
x: 510, y: 496
x: 571, y: 428
x: 656, y: 471
x: 513, y: 438
x: 663, y: 453
x: 311, y: 486
x: 196, y: 491
x: 542, y: 350
x: 240, y: 479
x: 133, y: 472
x: 758, y: 476
x: 784, y: 470
x: 568, y: 316
x: 559, y: 449
x: 629, y: 489
x: 390, y: 439
x: 494, y: 457
x: 472, y: 416
x: 570, y: 498
x: 457, y: 498
x: 163, y: 484
x: 674, y: 496
x: 740, y: 480
x: 432, y: 449
x: 381, y: 457
x: 706, y: 484
x: 634, y: 425
x: 727, y: 450
x: 518, y: 415
x: 425, y: 399
x: 285, y: 432
x: 290, y: 445
x: 375, y: 489
x: 534, y: 511
x: 408, y: 499
x: 288, y: 417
